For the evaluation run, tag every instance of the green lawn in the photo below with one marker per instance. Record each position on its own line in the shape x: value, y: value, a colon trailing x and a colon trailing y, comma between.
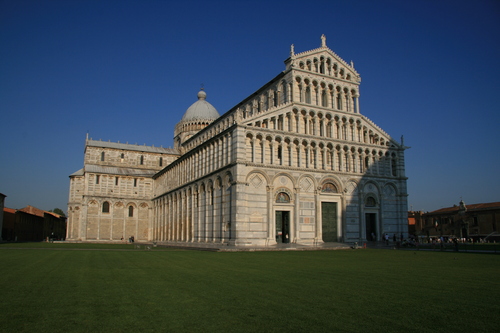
x: 60, y: 289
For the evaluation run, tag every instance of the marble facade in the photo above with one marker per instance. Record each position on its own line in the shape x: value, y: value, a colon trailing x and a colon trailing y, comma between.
x: 294, y: 162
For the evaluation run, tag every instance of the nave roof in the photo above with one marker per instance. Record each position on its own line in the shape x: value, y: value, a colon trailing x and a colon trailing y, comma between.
x: 119, y: 171
x: 127, y: 146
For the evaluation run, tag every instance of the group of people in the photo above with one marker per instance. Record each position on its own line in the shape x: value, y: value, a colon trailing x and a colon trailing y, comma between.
x: 397, y: 240
x: 386, y: 237
x: 130, y: 239
x: 394, y: 239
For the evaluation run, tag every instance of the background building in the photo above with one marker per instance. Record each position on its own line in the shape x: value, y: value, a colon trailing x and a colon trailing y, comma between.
x: 295, y: 161
x: 31, y: 224
x: 416, y: 222
x: 475, y: 221
x: 2, y: 204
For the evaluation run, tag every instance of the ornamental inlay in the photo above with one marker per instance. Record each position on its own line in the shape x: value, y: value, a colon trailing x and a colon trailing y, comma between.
x: 306, y: 184
x: 256, y: 181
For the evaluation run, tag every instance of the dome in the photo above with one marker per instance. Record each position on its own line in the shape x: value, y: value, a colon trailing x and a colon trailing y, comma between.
x: 200, y: 110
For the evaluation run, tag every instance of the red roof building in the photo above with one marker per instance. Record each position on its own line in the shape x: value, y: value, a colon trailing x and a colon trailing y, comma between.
x: 31, y: 224
x: 474, y: 221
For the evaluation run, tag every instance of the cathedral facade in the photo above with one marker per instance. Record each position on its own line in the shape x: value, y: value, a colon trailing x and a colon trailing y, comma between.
x: 295, y: 162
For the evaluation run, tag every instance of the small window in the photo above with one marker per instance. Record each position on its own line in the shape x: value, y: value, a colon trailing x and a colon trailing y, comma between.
x: 102, y: 156
x: 308, y: 95
x: 105, y: 207
x: 161, y: 161
x: 142, y: 159
x: 97, y: 179
x: 116, y: 180
x: 122, y: 156
x: 130, y: 211
x: 135, y: 182
x: 394, y: 167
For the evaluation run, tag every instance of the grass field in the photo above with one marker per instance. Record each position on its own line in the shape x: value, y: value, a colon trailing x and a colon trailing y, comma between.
x: 78, y: 288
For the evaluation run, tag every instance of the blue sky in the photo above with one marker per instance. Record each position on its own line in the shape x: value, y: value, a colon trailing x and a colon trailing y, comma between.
x: 127, y: 71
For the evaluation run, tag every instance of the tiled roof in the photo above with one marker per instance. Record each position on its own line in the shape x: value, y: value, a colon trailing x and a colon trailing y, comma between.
x: 55, y: 215
x: 480, y: 206
x: 36, y: 211
x: 119, y: 171
x: 9, y: 210
x: 32, y: 210
x: 126, y: 146
x: 77, y: 173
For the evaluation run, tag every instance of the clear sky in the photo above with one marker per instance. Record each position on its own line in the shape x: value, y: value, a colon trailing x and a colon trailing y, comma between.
x: 128, y: 70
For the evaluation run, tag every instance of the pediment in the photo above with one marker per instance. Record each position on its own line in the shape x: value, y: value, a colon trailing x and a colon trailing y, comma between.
x: 323, y: 61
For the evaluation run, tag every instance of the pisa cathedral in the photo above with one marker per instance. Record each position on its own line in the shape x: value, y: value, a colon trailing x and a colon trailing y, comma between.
x: 295, y: 162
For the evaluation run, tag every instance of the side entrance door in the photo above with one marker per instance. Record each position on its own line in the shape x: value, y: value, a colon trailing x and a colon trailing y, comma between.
x: 371, y: 226
x: 282, y: 226
x: 329, y: 221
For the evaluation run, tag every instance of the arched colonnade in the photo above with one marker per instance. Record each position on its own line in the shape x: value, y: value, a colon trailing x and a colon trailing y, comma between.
x: 200, y: 212
x: 287, y: 151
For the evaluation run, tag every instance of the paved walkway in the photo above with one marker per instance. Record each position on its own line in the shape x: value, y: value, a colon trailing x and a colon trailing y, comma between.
x: 217, y: 247
x: 428, y: 247
x: 232, y: 248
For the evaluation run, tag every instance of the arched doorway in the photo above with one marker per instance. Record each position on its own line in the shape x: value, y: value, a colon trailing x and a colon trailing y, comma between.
x: 329, y: 212
x: 371, y: 208
x: 282, y: 226
x: 282, y: 217
x: 329, y: 221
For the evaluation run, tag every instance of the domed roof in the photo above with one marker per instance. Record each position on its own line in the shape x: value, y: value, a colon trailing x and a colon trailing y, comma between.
x: 200, y: 110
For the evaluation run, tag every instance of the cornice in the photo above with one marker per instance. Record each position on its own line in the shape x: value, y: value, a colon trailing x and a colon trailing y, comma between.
x: 325, y: 77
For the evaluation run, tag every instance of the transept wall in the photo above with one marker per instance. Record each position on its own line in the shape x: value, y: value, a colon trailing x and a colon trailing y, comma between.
x: 112, y: 199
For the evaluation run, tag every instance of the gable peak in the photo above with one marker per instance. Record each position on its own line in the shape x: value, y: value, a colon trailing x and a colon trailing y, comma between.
x: 323, y: 45
x: 322, y: 51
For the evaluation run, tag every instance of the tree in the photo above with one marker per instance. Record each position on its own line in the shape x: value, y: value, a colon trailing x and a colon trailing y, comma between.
x: 57, y: 211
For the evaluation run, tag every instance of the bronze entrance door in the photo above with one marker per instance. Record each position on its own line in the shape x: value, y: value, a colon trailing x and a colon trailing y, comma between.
x: 329, y: 221
x: 282, y: 226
